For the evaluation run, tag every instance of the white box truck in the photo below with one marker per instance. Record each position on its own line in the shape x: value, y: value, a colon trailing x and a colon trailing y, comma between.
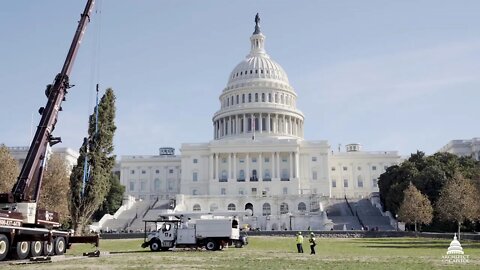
x: 182, y: 231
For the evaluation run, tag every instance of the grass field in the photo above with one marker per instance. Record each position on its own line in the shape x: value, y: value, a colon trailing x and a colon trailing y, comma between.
x: 273, y: 253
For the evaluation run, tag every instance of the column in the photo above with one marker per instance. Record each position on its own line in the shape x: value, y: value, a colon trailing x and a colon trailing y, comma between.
x: 229, y: 166
x: 244, y: 124
x: 235, y: 166
x: 297, y: 165
x: 278, y: 164
x: 284, y: 124
x: 260, y: 167
x: 210, y: 164
x: 290, y: 160
x: 272, y: 172
x: 247, y: 168
x: 260, y: 123
x: 268, y: 123
x: 215, y: 176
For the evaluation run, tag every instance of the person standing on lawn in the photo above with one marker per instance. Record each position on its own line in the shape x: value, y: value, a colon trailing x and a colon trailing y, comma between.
x: 299, y: 241
x: 313, y: 243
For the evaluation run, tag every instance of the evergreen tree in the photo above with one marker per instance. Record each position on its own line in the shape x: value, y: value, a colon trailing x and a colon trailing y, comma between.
x: 415, y: 208
x: 458, y: 201
x: 113, y: 200
x: 55, y: 187
x: 8, y: 170
x: 84, y: 201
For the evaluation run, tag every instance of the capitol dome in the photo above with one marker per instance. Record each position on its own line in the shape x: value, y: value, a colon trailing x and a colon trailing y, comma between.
x: 455, y: 247
x: 258, y: 100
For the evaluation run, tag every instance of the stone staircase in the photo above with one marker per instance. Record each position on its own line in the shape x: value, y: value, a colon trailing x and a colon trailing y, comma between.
x: 341, y: 215
x: 126, y: 218
x: 151, y: 213
x: 371, y: 216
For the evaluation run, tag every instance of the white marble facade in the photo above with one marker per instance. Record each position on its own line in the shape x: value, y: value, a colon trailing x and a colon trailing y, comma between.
x: 463, y: 148
x: 258, y: 159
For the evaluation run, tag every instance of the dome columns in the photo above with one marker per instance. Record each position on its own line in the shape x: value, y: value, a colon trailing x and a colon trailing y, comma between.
x: 262, y: 124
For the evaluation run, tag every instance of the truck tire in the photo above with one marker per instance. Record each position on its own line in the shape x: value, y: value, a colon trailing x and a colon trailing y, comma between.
x: 4, y: 247
x: 36, y: 248
x: 211, y: 245
x: 155, y: 245
x: 60, y: 246
x: 47, y: 248
x: 21, y: 250
x: 238, y: 244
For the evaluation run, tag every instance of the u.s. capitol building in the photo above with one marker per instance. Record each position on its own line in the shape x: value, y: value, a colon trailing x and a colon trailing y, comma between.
x: 258, y: 158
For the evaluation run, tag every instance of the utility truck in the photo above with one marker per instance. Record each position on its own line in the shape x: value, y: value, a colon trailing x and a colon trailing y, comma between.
x: 193, y: 230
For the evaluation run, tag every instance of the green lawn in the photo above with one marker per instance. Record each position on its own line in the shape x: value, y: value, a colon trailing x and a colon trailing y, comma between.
x: 274, y: 253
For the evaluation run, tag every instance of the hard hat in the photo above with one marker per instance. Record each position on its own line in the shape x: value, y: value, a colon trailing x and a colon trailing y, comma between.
x: 299, y: 232
x: 312, y: 234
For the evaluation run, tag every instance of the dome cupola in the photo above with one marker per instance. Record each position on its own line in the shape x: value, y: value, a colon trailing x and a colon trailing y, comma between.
x: 258, y: 100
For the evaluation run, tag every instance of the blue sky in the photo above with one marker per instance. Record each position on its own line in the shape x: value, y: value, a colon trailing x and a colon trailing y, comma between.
x: 391, y: 75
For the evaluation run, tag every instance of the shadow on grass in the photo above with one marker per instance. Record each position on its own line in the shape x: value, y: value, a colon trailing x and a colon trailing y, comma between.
x: 407, y: 246
x: 129, y: 251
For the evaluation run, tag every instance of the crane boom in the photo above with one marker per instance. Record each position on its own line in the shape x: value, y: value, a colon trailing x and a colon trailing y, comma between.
x: 27, y: 187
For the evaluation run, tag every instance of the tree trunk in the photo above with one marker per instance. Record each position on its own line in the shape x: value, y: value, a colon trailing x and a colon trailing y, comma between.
x: 415, y: 226
x: 459, y: 225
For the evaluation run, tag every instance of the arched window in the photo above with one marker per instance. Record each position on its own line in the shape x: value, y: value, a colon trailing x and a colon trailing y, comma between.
x: 360, y: 181
x: 302, y: 207
x: 283, y: 208
x: 256, y: 97
x: 267, y: 210
x: 267, y: 174
x: 284, y: 174
x: 223, y: 177
x: 243, y: 98
x: 197, y: 208
x: 254, y: 175
x: 263, y: 97
x: 241, y: 175
x: 249, y: 97
x: 249, y: 206
x: 269, y: 97
x: 194, y: 192
x: 213, y: 207
x: 231, y: 207
x: 156, y: 185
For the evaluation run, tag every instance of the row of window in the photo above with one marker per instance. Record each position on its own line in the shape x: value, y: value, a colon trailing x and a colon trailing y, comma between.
x: 266, y: 208
x: 359, y: 183
x: 255, y: 71
x: 284, y: 99
x: 254, y: 160
x: 359, y: 168
x: 223, y: 177
x: 157, y: 171
x: 157, y: 184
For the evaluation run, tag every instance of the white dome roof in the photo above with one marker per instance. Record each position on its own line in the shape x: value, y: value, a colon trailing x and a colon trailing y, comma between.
x: 259, y: 66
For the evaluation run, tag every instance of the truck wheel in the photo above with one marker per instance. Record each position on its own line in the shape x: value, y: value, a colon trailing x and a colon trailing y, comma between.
x: 4, y: 247
x: 21, y: 250
x: 238, y: 244
x: 59, y: 245
x: 36, y: 248
x: 47, y: 248
x: 211, y: 245
x: 155, y: 245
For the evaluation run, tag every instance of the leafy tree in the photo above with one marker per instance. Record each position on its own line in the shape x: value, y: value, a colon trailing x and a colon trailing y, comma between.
x: 458, y: 201
x: 415, y: 208
x: 8, y: 170
x: 85, y: 200
x: 113, y: 200
x: 55, y: 187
